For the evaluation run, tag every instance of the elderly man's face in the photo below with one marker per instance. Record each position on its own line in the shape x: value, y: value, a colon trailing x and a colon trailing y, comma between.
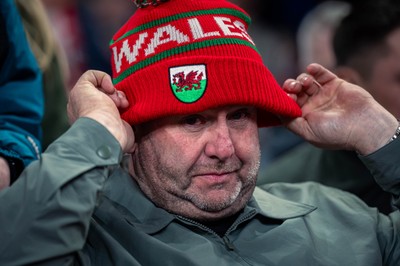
x: 202, y: 166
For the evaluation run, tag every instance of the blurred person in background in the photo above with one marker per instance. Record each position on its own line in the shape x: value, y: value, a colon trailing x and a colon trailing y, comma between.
x: 64, y: 18
x: 21, y: 97
x: 99, y: 20
x: 85, y: 28
x: 53, y: 64
x: 367, y: 49
x: 314, y: 37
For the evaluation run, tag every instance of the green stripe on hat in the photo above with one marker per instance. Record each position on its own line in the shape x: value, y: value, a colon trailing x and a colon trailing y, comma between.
x: 157, y: 22
x: 180, y: 50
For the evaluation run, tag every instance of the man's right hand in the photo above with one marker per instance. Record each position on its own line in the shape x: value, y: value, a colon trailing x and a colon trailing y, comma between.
x: 94, y: 96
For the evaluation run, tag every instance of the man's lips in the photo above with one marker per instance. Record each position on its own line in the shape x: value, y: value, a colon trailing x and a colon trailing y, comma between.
x: 214, y: 177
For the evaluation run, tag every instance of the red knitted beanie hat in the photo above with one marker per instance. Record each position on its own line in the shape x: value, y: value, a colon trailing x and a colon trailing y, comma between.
x: 185, y: 56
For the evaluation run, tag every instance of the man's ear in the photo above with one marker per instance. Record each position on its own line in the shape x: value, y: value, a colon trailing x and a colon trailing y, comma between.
x: 349, y: 74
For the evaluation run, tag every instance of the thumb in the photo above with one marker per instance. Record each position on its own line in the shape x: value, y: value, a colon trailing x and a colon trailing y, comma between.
x: 130, y: 138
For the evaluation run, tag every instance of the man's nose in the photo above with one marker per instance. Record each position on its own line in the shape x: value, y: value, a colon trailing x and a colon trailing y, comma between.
x: 220, y: 144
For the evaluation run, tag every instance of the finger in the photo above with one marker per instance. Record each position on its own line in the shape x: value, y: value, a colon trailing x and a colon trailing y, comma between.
x: 291, y: 86
x: 119, y: 99
x: 302, y: 99
x: 124, y: 100
x: 98, y: 79
x: 92, y: 76
x: 293, y: 96
x: 320, y: 74
x: 294, y: 89
x: 130, y: 145
x: 103, y: 82
x: 309, y: 85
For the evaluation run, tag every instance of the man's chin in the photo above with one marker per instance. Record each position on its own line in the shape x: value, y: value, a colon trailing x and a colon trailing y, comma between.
x: 207, y: 216
x: 212, y: 204
x: 213, y: 209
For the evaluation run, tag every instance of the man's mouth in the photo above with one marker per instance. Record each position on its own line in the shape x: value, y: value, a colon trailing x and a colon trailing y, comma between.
x: 216, y: 177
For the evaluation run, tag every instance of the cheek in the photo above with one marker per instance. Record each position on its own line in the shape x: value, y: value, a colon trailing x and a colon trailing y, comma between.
x: 173, y: 156
x: 158, y: 168
x: 247, y: 146
x: 180, y: 153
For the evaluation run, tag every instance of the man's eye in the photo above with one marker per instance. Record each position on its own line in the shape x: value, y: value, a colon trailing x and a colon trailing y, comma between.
x: 240, y: 114
x: 193, y: 120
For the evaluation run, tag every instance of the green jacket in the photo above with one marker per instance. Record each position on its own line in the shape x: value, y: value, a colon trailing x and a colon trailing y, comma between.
x: 335, y: 168
x: 77, y: 206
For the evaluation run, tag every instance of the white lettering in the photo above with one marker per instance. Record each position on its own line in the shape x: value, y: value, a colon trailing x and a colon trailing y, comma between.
x: 173, y: 35
x: 197, y: 30
x: 242, y: 27
x: 226, y: 25
x: 169, y: 33
x: 126, y: 52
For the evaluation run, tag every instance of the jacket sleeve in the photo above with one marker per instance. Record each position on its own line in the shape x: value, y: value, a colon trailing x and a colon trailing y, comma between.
x: 384, y: 165
x: 21, y: 92
x: 45, y: 215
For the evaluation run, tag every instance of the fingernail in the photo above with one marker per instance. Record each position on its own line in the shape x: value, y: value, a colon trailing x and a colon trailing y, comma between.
x: 292, y: 84
x: 304, y: 79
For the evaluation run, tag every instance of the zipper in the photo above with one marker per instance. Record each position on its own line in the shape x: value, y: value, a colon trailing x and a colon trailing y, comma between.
x: 205, y: 228
x: 246, y: 217
x: 227, y: 242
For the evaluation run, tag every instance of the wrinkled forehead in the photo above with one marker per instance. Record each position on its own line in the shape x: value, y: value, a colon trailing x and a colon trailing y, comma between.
x: 222, y: 113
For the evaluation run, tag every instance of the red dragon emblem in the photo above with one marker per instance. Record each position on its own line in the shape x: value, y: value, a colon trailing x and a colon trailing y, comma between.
x: 190, y: 82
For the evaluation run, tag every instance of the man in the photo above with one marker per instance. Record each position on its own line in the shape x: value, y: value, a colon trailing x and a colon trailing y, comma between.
x: 21, y: 97
x: 367, y: 47
x: 189, y: 197
x: 315, y: 33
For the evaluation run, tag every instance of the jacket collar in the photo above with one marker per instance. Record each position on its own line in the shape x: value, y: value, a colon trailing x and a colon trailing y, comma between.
x: 274, y: 207
x: 122, y: 194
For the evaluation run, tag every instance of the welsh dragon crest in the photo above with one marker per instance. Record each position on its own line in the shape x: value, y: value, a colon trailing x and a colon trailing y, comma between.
x: 189, y: 82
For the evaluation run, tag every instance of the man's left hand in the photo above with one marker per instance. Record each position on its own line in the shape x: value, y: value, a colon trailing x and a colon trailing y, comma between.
x: 338, y: 114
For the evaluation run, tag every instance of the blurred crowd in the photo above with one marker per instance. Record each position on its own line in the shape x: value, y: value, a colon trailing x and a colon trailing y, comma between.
x: 84, y: 29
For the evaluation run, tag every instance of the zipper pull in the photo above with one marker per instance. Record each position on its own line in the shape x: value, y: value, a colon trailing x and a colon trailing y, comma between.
x: 228, y: 243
